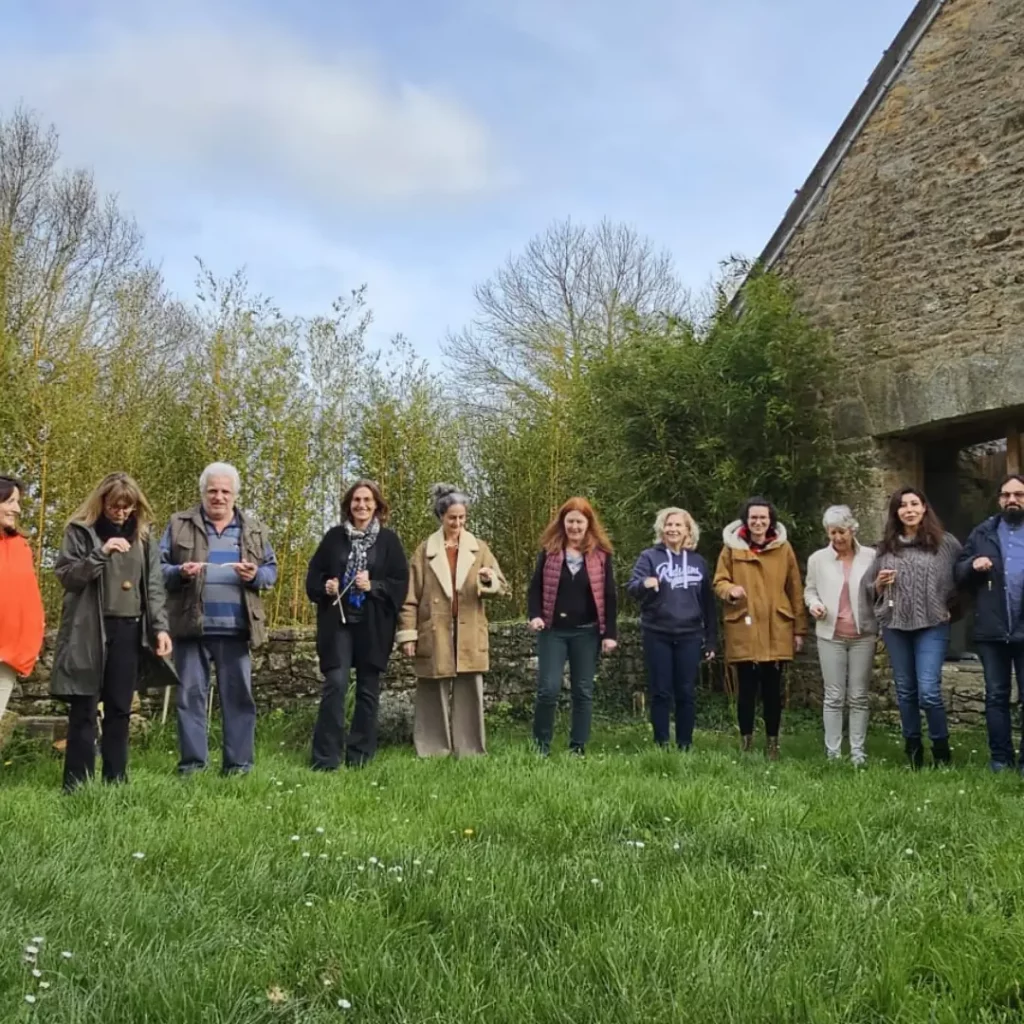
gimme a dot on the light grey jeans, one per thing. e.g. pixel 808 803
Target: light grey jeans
pixel 7 678
pixel 846 667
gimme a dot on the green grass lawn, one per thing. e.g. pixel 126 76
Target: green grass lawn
pixel 632 886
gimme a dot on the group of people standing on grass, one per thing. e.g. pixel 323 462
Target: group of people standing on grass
pixel 139 611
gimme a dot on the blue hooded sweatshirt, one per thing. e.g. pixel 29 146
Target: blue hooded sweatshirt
pixel 684 603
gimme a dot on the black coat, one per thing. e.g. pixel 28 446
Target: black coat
pixel 389 582
pixel 991 612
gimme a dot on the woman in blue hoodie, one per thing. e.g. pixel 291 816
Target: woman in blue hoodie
pixel 678 620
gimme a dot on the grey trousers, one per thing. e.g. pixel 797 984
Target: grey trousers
pixel 450 716
pixel 7 678
pixel 230 656
pixel 846 667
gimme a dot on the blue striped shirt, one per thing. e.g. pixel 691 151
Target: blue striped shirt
pixel 223 601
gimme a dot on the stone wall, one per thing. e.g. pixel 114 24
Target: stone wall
pixel 911 257
pixel 286 676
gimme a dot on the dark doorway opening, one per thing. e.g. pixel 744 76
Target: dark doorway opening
pixel 962 482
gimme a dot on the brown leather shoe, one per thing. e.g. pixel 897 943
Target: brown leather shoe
pixel 746 742
pixel 773 748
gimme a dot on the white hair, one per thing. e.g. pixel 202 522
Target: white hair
pixel 220 469
pixel 689 523
pixel 840 517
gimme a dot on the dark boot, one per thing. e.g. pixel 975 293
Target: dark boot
pixel 773 748
pixel 940 752
pixel 915 753
pixel 746 743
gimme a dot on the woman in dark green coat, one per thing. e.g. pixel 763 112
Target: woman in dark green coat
pixel 113 624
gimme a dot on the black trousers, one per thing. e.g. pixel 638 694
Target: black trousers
pixel 120 677
pixel 753 676
pixel 329 732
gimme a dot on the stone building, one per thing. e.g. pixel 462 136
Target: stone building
pixel 907 242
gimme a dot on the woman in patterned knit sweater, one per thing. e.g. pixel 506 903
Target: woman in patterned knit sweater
pixel 914 588
pixel 571 605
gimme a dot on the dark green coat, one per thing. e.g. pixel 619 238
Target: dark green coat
pixel 78 661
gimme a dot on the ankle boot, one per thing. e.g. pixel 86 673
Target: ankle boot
pixel 746 743
pixel 915 753
pixel 940 752
pixel 773 748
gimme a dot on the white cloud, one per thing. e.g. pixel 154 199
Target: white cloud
pixel 246 103
pixel 303 266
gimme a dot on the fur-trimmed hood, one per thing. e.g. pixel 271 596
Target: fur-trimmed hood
pixel 732 539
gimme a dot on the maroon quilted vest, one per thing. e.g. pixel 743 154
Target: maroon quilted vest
pixel 594 562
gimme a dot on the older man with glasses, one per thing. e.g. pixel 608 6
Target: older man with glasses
pixel 216 561
pixel 992 566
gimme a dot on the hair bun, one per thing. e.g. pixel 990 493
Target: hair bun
pixel 439 491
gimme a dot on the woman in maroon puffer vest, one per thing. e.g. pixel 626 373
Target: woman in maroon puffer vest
pixel 571 606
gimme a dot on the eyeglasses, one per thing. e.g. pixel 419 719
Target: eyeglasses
pixel 115 510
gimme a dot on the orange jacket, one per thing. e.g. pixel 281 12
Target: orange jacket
pixel 21 605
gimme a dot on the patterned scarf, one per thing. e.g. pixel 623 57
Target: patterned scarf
pixel 361 541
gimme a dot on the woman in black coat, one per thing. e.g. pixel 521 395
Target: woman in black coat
pixel 358 579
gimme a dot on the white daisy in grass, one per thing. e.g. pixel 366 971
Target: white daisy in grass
pixel 44 984
pixel 32 950
pixel 38 940
pixel 67 954
pixel 305 853
pixel 417 863
pixel 360 867
pixel 595 881
pixel 344 1004
pixel 319 830
pixel 374 861
pixel 758 913
pixel 29 998
pixel 295 839
pixel 908 852
pixel 139 855
pixel 36 973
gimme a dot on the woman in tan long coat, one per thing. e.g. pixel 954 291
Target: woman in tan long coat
pixel 765 621
pixel 443 628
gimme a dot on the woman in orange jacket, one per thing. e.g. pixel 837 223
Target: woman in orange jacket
pixel 21 606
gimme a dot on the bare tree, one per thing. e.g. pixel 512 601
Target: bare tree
pixel 557 302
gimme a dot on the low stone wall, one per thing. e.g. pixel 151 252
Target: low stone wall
pixel 286 675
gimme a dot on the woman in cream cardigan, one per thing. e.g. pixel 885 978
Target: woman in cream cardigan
pixel 443 628
pixel 837 597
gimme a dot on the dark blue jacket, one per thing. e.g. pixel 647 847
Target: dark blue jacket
pixel 991 609
pixel 684 603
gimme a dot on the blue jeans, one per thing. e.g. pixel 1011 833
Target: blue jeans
pixel 1000 661
pixel 916 656
pixel 673 665
pixel 581 648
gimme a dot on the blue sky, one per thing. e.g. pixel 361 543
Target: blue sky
pixel 414 145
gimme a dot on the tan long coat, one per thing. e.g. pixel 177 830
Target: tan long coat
pixel 426 616
pixel 761 626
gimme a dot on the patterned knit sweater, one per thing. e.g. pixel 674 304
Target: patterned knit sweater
pixel 924 588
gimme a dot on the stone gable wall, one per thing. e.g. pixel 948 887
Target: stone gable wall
pixel 912 255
